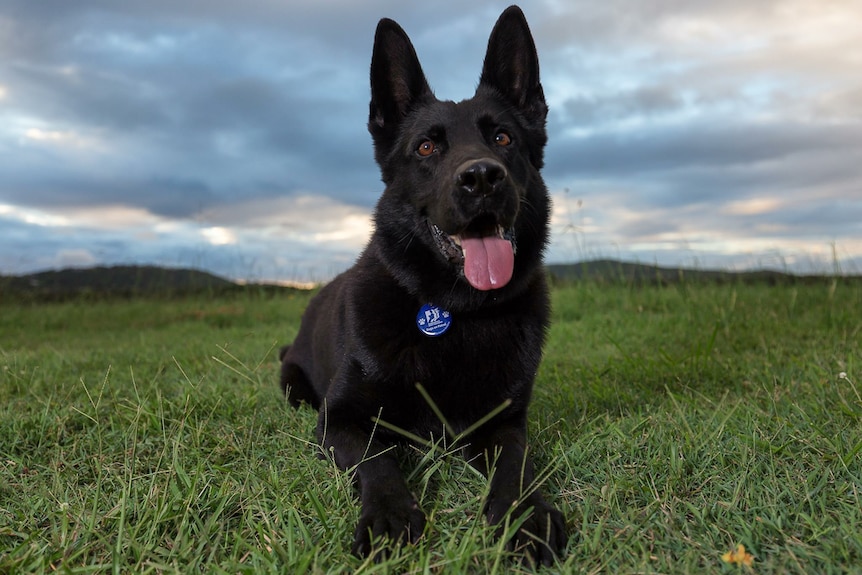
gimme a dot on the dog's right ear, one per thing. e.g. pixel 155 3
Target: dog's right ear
pixel 397 81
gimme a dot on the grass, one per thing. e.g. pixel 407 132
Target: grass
pixel 672 424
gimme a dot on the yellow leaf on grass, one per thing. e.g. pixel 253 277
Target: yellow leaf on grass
pixel 738 556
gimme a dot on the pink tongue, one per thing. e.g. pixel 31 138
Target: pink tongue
pixel 488 261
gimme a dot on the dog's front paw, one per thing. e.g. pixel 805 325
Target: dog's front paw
pixel 542 535
pixel 387 521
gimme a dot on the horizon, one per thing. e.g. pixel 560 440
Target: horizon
pixel 836 271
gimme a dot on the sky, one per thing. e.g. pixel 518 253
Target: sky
pixel 231 136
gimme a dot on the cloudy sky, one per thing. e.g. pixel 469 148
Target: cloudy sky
pixel 230 136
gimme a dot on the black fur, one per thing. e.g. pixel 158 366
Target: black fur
pixel 359 353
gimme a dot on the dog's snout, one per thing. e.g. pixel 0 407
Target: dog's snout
pixel 481 177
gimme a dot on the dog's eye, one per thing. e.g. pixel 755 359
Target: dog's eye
pixel 426 148
pixel 502 139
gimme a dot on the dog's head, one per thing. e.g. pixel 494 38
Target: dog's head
pixel 462 178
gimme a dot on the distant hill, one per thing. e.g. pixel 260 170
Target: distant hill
pixel 613 271
pixel 130 281
pixel 114 280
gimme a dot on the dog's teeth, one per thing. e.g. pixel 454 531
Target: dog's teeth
pixel 456 240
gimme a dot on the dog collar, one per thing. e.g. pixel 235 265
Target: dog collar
pixel 433 320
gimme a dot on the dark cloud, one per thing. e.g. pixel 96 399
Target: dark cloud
pixel 722 144
pixel 165 195
pixel 92 98
pixel 643 102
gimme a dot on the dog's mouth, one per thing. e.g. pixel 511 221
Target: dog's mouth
pixel 485 249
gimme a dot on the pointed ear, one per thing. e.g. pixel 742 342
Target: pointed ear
pixel 397 80
pixel 512 65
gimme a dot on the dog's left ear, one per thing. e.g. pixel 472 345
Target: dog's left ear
pixel 512 65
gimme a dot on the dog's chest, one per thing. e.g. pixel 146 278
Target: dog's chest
pixel 465 372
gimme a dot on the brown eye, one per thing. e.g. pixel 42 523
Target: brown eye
pixel 502 139
pixel 426 148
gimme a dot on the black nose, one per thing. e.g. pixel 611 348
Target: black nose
pixel 481 177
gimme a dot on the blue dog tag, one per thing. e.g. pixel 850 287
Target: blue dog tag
pixel 433 320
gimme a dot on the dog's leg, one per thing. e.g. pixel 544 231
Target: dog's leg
pixel 294 382
pixel 501 453
pixel 389 513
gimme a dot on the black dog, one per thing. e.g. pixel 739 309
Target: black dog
pixel 447 307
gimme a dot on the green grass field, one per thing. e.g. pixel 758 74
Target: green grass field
pixel 671 425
